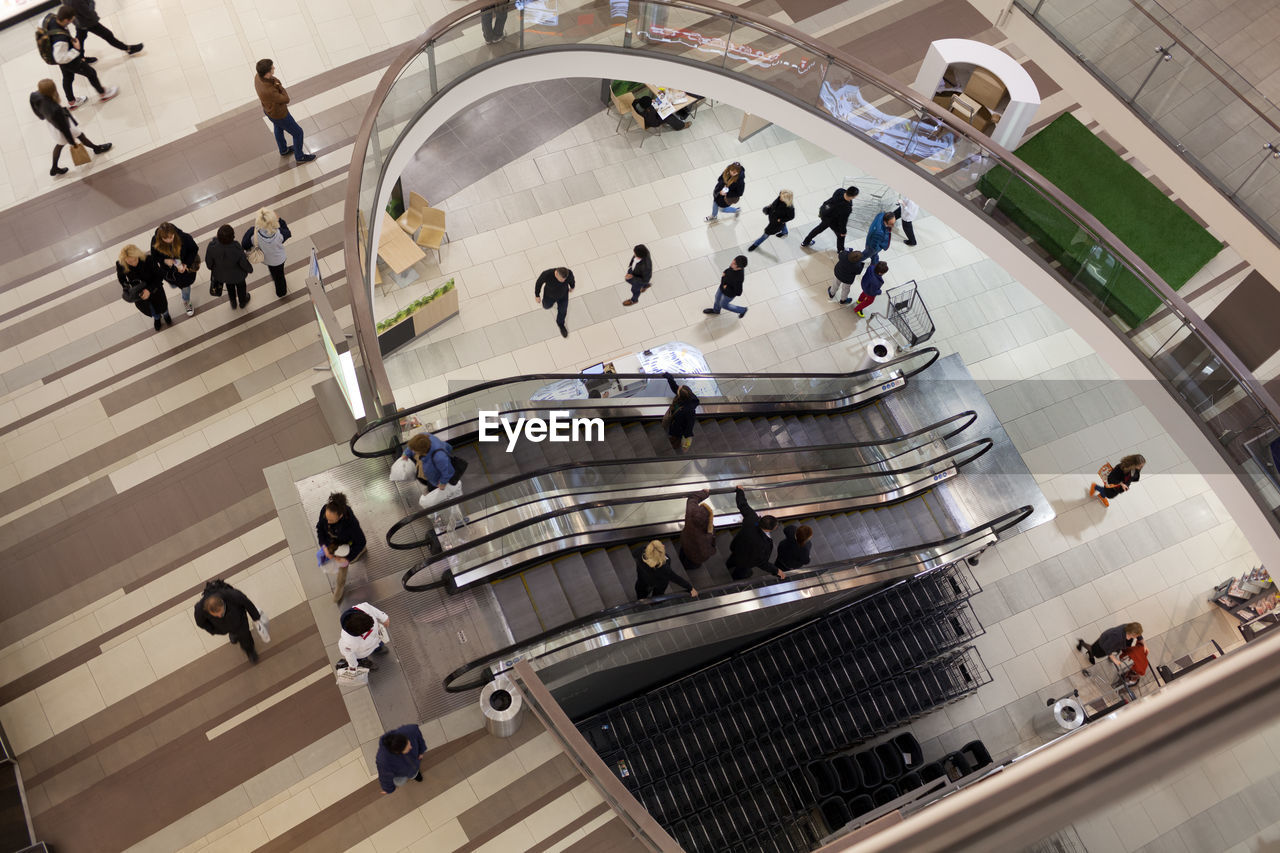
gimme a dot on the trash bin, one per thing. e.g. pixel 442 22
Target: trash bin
pixel 878 352
pixel 1064 715
pixel 502 706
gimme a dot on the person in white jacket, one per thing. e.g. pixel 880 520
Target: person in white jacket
pixel 363 627
pixel 906 213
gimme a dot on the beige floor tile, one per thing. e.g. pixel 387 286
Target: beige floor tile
pixel 400 834
pixel 438 811
pixel 70 698
pixel 25 723
pixel 122 671
pixel 289 814
pixel 173 643
pixel 444 839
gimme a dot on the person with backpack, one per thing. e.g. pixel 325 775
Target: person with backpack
pixel 225 610
pixel 57 47
pixel 88 21
pixel 142 284
pixel 62 127
pixel 437 467
pixel 834 214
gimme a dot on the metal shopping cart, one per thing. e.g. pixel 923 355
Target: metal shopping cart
pixel 906 313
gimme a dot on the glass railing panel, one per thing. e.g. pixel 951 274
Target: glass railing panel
pixel 693 35
pixel 789 69
pixel 550 23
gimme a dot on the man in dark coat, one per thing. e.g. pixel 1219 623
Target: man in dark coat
pixel 752 546
pixel 88 21
pixel 399 758
pixel 730 288
pixel 552 288
pixel 225 610
pixel 834 214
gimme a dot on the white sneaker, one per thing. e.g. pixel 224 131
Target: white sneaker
pixel 191 309
pixel 78 102
pixel 111 92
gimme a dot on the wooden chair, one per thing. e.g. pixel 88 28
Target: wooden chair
pixel 433 229
pixel 622 103
pixel 411 220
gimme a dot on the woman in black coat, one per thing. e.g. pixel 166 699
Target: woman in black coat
pixel 62 127
pixel 793 550
pixel 653 572
pixel 729 188
pixel 780 211
pixel 847 269
pixel 142 284
pixel 338 528
pixel 1126 472
pixel 639 271
pixel 229 265
pixel 178 256
pixel 683 415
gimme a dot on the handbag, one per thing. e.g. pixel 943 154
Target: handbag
pixel 348 677
pixel 255 255
pixel 215 287
pixel 669 416
pixel 459 468
pixel 79 154
pixel 263 627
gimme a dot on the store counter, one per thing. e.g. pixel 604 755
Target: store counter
pixel 602 380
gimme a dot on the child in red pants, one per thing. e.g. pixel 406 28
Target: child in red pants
pixel 872 284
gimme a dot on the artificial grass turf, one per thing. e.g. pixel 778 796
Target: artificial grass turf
pixel 1069 156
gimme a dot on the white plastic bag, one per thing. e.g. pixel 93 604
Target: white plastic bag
pixel 431 497
pixel 403 470
pixel 263 627
pixel 347 677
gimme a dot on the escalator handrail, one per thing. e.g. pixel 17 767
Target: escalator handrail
pixel 996 526
pixel 933 353
pixel 970 415
pixel 981 446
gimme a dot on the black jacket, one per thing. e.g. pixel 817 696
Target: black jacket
pixel 641 269
pixel 57 32
pixel 236 618
pixel 86 12
pixel 47 109
pixel 645 109
pixel 227 262
pixel 751 547
pixel 145 276
pixel 847 271
pixel 1113 640
pixel 736 189
pixel 555 288
pixel 779 213
pixel 188 253
pixel 1118 476
pixel 685 415
pixel 791 554
pixel 731 282
pixel 657 577
pixel 346 532
pixel 837 211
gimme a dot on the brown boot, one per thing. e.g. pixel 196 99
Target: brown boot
pixel 341 586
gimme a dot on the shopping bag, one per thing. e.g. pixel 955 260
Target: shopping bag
pixel 262 627
pixel 79 155
pixel 403 470
pixel 347 677
pixel 383 634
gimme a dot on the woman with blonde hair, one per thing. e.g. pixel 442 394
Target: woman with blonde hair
pixel 142 284
pixel 730 186
pixel 178 258
pixel 267 234
pixel 780 211
pixel 64 129
pixel 1126 472
pixel 653 571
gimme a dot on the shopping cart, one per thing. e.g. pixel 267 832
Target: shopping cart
pixel 907 313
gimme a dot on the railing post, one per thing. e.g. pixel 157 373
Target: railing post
pixel 728 40
pixel 1271 151
pixel 431 68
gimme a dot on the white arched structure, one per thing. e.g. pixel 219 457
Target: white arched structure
pixel 583 61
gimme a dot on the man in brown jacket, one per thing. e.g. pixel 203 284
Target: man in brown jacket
pixel 275 104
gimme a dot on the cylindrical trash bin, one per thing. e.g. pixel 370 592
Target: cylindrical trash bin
pixel 502 706
pixel 1065 715
pixel 878 351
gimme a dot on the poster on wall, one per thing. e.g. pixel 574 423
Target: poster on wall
pixel 12 11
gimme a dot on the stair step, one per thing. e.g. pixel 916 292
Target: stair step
pixel 578 585
pixel 548 597
pixel 517 609
pixel 605 580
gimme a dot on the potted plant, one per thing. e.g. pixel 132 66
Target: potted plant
pixel 418 317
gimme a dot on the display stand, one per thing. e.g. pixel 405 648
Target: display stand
pixel 1247 597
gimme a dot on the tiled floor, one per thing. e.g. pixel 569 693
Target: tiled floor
pixel 132 464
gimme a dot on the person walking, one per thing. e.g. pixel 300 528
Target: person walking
pixel 340 537
pixel 62 127
pixel 834 214
pixel 437 467
pixel 872 284
pixel 730 187
pixel 179 259
pixel 698 538
pixel 57 47
pixel 794 549
pixel 681 415
pixel 879 236
pixel 780 211
pixel 639 271
pixel 1122 475
pixel 654 572
pixel 88 21
pixel 143 284
pixel 906 213
pixel 752 545
pixel 269 233
pixel 228 265
pixel 848 267
pixel 552 288
pixel 493 22
pixel 399 758
pixel 1111 642
pixel 730 288
pixel 225 610
pixel 364 628
pixel 275 106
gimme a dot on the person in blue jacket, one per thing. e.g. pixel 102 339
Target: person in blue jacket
pixel 872 284
pixel 879 236
pixel 399 759
pixel 437 466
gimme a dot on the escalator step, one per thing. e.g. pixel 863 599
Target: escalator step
pixel 517 609
pixel 548 597
pixel 605 580
pixel 578 585
pixel 624 569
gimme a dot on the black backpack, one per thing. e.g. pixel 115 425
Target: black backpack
pixel 215 585
pixel 45 37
